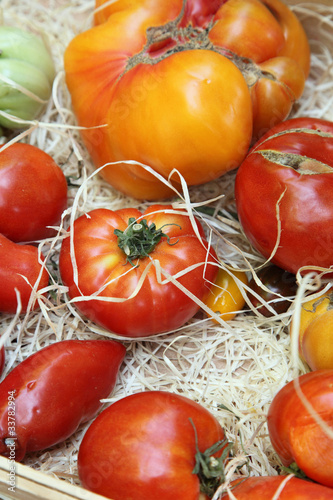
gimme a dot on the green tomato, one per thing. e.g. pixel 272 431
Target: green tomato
pixel 26 75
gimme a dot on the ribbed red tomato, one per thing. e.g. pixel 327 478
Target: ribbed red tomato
pixel 182 85
pixel 135 273
pixel 295 431
pixel 145 447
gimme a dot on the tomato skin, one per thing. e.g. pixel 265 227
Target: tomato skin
pixel 317 342
pixel 19 261
pixel 157 307
pixel 265 487
pixel 295 435
pixel 56 389
pixel 143 447
pixel 149 85
pixel 300 200
pixel 224 297
pixel 33 193
pixel 277 283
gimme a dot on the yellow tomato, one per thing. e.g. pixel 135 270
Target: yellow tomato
pixel 311 310
pixel 225 297
pixel 317 342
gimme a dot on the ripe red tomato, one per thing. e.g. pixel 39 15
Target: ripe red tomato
pixel 144 447
pixel 286 488
pixel 134 274
pixel 33 193
pixel 47 396
pixel 295 434
pixel 284 194
pixel 189 82
pixel 21 268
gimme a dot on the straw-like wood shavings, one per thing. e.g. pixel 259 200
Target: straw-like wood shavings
pixel 232 368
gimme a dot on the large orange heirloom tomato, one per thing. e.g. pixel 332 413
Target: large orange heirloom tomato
pixel 137 274
pixel 182 85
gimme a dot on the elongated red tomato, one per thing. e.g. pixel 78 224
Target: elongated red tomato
pixel 146 268
pixel 284 194
pixel 190 82
pixel 294 432
pixel 33 193
pixel 279 487
pixel 44 399
pixel 21 271
pixel 144 447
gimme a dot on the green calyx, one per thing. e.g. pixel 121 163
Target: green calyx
pixel 210 469
pixel 139 240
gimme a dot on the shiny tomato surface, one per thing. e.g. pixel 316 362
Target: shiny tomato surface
pixel 33 193
pixel 21 272
pixel 141 295
pixel 284 194
pixel 279 487
pixel 295 433
pixel 190 83
pixel 143 447
pixel 47 396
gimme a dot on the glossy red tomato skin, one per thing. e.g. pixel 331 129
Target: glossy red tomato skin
pixel 157 307
pixel 268 191
pixel 33 193
pixel 55 390
pixel 295 435
pixel 265 487
pixel 150 435
pixel 19 263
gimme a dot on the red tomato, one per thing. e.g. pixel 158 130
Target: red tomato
pixel 295 435
pixel 103 268
pixel 289 488
pixel 144 447
pixel 33 193
pixel 47 396
pixel 21 270
pixel 287 179
pixel 188 82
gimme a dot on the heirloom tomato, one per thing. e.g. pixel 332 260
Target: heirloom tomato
pixel 149 445
pixel 225 297
pixel 22 271
pixel 189 82
pixel 276 290
pixel 45 398
pixel 294 429
pixel 33 193
pixel 284 194
pixel 27 72
pixel 317 342
pixel 137 274
pixel 279 488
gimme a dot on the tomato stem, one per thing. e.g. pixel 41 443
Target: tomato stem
pixel 139 240
pixel 209 468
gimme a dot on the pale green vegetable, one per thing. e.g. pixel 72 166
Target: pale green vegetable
pixel 26 75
